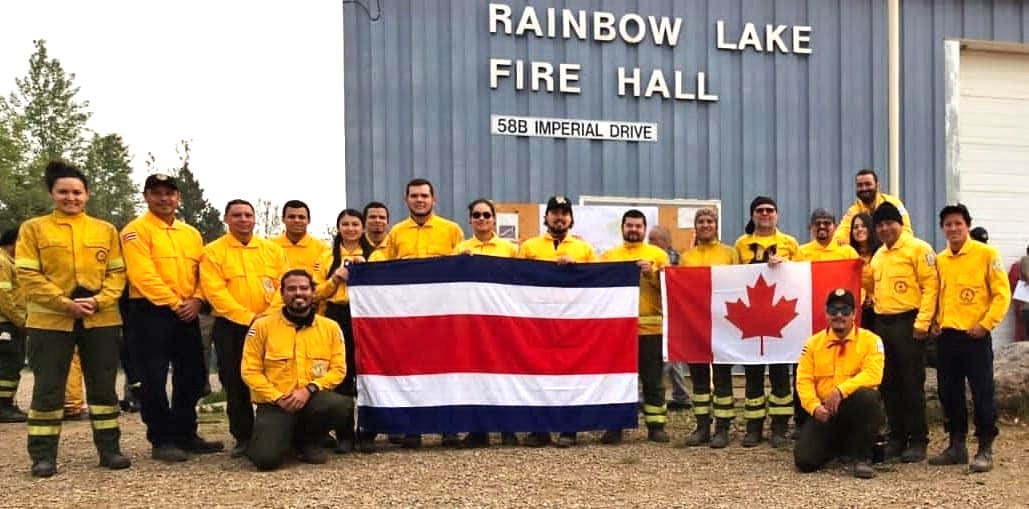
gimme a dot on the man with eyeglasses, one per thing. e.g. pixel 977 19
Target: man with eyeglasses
pixel 839 370
pixel 905 284
pixel 762 242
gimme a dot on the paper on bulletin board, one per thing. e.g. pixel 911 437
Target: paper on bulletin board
pixel 1021 291
pixel 507 226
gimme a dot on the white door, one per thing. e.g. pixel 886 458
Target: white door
pixel 993 161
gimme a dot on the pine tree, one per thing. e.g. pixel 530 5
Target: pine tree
pixel 113 196
pixel 194 209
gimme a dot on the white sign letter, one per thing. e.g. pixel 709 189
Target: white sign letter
pixel 665 30
pixel 802 40
pixel 624 80
pixel 604 26
pixel 641 28
pixel 498 67
pixel 529 21
pixel 499 13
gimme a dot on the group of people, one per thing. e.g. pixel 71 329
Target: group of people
pixel 285 344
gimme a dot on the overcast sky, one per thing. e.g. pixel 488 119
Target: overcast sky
pixel 257 86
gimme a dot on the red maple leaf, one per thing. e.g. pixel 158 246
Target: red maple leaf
pixel 761 318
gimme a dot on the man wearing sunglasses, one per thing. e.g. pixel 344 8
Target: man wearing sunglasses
pixel 839 370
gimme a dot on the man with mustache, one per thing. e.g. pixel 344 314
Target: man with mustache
pixel 869 197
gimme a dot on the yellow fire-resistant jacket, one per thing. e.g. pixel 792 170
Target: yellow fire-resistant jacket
pixel 303 254
pixel 12 299
pixel 57 252
pixel 326 289
pixel 973 287
pixel 842 235
pixel 408 239
pixel 815 252
pixel 904 278
pixel 241 281
pixel 707 254
pixel 495 246
pixel 278 358
pixel 751 246
pixel 542 248
pixel 826 363
pixel 162 261
pixel 650 285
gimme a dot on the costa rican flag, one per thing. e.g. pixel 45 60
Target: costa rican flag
pixel 478 343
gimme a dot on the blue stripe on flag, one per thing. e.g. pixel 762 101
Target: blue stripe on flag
pixel 470 418
pixel 490 269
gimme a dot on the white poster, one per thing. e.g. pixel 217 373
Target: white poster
pixel 601 225
pixel 1021 292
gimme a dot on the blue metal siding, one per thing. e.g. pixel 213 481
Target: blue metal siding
pixel 925 25
pixel 795 127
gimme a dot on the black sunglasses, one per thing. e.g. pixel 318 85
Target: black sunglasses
pixel 483 215
pixel 839 310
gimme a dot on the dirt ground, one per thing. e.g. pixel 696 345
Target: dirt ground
pixel 634 474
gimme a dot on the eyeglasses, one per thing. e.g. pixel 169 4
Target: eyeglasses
pixel 840 310
pixel 482 215
pixel 765 210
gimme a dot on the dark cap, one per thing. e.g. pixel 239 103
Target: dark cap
pixel 887 212
pixel 979 233
pixel 160 179
pixel 762 200
pixel 559 202
pixel 841 295
pixel 821 213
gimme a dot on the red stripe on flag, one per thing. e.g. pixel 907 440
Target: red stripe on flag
pixel 424 345
pixel 689 314
pixel 828 276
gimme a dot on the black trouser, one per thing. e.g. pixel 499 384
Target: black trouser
pixel 903 384
pixel 780 401
pixel 276 431
pixel 228 338
pixel 129 358
pixel 340 313
pixel 159 338
pixel 704 405
pixel 651 371
pixel 850 432
pixel 963 357
pixel 50 357
pixel 12 359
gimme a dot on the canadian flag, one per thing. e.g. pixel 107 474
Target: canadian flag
pixel 749 314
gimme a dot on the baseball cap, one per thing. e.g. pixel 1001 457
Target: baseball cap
pixel 840 295
pixel 160 179
pixel 559 202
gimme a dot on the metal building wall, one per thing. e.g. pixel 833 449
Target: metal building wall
pixel 925 25
pixel 795 127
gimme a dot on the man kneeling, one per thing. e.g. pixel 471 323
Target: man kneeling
pixel 292 360
pixel 836 381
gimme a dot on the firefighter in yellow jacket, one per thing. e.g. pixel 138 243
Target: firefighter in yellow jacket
pixel 869 197
pixel 974 296
pixel 71 268
pixel 708 251
pixel 292 361
pixel 239 275
pixel 838 372
pixel 762 242
pixel 560 246
pixel 651 260
pixel 302 250
pixel 905 285
pixel 12 330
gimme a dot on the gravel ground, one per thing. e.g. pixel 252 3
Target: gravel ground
pixel 634 474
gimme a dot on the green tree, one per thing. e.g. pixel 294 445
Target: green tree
pixel 194 209
pixel 113 196
pixel 54 122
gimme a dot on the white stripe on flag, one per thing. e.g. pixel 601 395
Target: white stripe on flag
pixel 491 299
pixel 492 389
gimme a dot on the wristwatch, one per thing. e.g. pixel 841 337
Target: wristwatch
pixel 312 388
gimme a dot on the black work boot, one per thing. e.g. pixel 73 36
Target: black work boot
pixel 720 439
pixel 754 433
pixel 365 442
pixel 894 448
pixel 915 452
pixel 474 440
pixel 956 452
pixel 611 437
pixel 656 432
pixel 44 468
pixel 983 461
pixel 114 460
pixel 780 423
pixel 9 412
pixel 702 434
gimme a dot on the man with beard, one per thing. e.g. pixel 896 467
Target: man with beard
pixel 974 297
pixel 422 235
pixel 822 248
pixel 866 183
pixel 162 259
pixel 291 362
pixel 239 274
pixel 376 228
pixel 905 284
pixel 836 378
pixel 651 260
pixel 302 250
pixel 556 245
